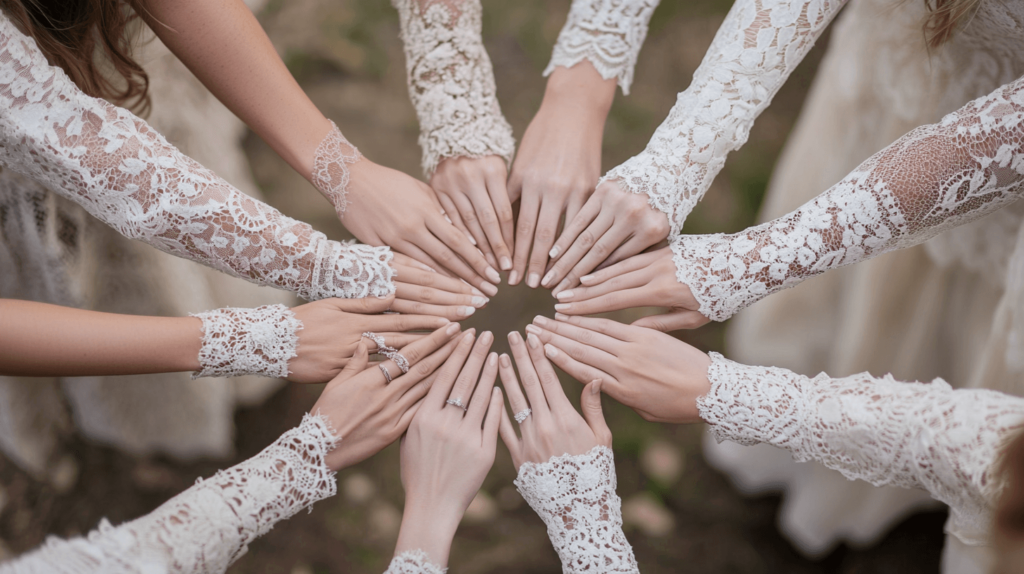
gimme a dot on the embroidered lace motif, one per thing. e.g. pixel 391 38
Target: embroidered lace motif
pixel 932 179
pixel 126 174
pixel 575 497
pixel 756 48
pixel 330 168
pixel 609 33
pixel 209 526
pixel 913 435
pixel 413 562
pixel 256 341
pixel 451 82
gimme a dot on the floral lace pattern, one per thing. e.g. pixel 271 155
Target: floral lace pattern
pixel 126 174
pixel 451 82
pixel 913 435
pixel 934 178
pixel 330 168
pixel 413 562
pixel 758 45
pixel 256 341
pixel 609 33
pixel 575 497
pixel 209 526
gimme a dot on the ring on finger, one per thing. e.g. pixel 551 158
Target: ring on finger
pixel 521 415
pixel 382 348
pixel 400 361
pixel 458 403
pixel 383 369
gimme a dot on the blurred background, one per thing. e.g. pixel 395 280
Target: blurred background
pixel 680 514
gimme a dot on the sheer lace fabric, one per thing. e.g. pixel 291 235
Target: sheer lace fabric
pixel 575 497
pixel 126 174
pixel 609 33
pixel 913 435
pixel 413 562
pixel 209 526
pixel 758 45
pixel 257 341
pixel 330 168
pixel 451 82
pixel 932 179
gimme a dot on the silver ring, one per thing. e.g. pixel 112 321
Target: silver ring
pixel 400 361
pixel 521 415
pixel 389 352
pixel 382 348
pixel 383 369
pixel 457 402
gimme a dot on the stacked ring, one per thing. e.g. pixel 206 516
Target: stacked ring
pixel 390 352
pixel 383 369
pixel 521 415
pixel 457 402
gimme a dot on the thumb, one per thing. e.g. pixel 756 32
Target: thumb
pixel 366 305
pixel 357 363
pixel 594 414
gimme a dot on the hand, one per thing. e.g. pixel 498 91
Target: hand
pixel 646 280
pixel 420 290
pixel 658 376
pixel 558 164
pixel 554 428
pixel 387 207
pixel 368 413
pixel 613 225
pixel 447 451
pixel 473 193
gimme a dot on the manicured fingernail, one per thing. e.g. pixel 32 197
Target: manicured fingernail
pixel 595 387
pixel 561 317
pixel 468 336
pixel 471 240
pixel 506 264
pixel 486 337
pixel 548 278
pixel 563 295
pixel 550 351
pixel 452 329
pixel 514 338
pixel 480 301
pixel 533 280
pixel 532 341
pixel 493 275
pixel 586 279
pixel 563 306
pixel 505 361
pixel 561 287
pixel 554 252
pixel 533 329
pixel 476 291
pixel 513 277
pixel 492 359
pixel 542 321
pixel 489 288
pixel 466 311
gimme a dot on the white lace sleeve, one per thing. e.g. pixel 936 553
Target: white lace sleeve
pixel 126 174
pixel 913 435
pixel 413 562
pixel 609 33
pixel 934 178
pixel 451 81
pixel 575 497
pixel 758 45
pixel 209 526
pixel 257 341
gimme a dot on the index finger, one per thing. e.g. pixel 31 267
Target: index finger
pixel 415 352
pixel 548 378
pixel 445 379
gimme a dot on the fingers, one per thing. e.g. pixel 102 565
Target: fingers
pixel 404 323
pixel 470 254
pixel 439 249
pixel 419 255
pixel 577 370
pixel 491 227
pixel 506 220
pixel 419 293
pixel 613 329
pixel 631 247
pixel 415 353
pixel 516 399
pixel 579 248
pixel 442 385
pixel 367 305
pixel 508 436
pixel 618 283
pixel 579 334
pixel 584 353
pixel 356 364
pixel 590 404
pixel 527 376
pixel 608 243
pixel 401 259
pixel 548 378
pixel 467 379
pixel 480 402
pixel 543 239
pixel 471 219
pixel 634 263
pixel 429 365
pixel 430 278
pixel 395 340
pixel 575 226
pixel 528 209
pixel 614 301
pixel 449 312
pixel 449 207
pixel 495 413
pixel 673 321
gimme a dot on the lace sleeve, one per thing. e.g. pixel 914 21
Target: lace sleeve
pixel 209 526
pixel 126 174
pixel 913 435
pixel 451 82
pixel 257 341
pixel 609 33
pixel 414 562
pixel 934 178
pixel 756 48
pixel 575 497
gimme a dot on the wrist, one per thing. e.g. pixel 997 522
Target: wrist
pixel 257 341
pixel 580 89
pixel 428 528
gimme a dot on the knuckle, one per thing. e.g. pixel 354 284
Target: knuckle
pixel 488 217
pixel 504 214
pixel 586 239
pixel 545 235
pixel 579 353
pixel 525 227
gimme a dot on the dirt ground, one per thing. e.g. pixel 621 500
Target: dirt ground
pixel 681 514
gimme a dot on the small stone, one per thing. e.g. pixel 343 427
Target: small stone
pixel 662 461
pixel 645 512
pixel 482 509
pixel 358 488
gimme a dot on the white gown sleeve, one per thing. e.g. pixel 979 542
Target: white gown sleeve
pixel 451 82
pixel 608 33
pixel 889 433
pixel 209 526
pixel 575 497
pixel 413 562
pixel 257 341
pixel 756 48
pixel 126 174
pixel 934 178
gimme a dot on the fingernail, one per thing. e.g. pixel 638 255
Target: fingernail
pixel 542 321
pixel 562 296
pixel 471 240
pixel 550 351
pixel 586 279
pixel 468 336
pixel 486 337
pixel 563 306
pixel 533 280
pixel 506 264
pixel 489 288
pixel 533 329
pixel 561 287
pixel 452 329
pixel 595 387
pixel 554 252
pixel 533 341
pixel 480 301
pixel 513 277
pixel 493 275
pixel 514 338
pixel 466 311
pixel 547 278
pixel 505 361
pixel 561 317
pixel 492 359
pixel 476 291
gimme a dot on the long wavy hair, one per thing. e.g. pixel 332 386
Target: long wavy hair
pixel 92 41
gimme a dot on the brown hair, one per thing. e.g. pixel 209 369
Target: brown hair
pixel 946 17
pixel 70 34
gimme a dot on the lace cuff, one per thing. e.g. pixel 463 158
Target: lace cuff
pixel 256 341
pixel 609 33
pixel 413 562
pixel 451 82
pixel 575 497
pixel 330 168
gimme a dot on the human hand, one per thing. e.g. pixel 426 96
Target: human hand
pixel 553 427
pixel 558 164
pixel 420 290
pixel 366 412
pixel 657 375
pixel 614 224
pixel 473 193
pixel 645 280
pixel 387 207
pixel 448 450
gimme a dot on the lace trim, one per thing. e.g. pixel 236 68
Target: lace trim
pixel 758 45
pixel 451 82
pixel 413 562
pixel 575 497
pixel 609 33
pixel 256 341
pixel 330 168
pixel 888 433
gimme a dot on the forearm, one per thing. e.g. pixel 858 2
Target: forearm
pixel 428 531
pixel 37 339
pixel 581 93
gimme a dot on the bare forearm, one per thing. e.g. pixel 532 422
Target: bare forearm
pixel 582 91
pixel 37 339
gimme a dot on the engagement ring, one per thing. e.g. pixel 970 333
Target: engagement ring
pixel 457 402
pixel 521 415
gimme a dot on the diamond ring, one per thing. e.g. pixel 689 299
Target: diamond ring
pixel 521 415
pixel 457 402
pixel 383 369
